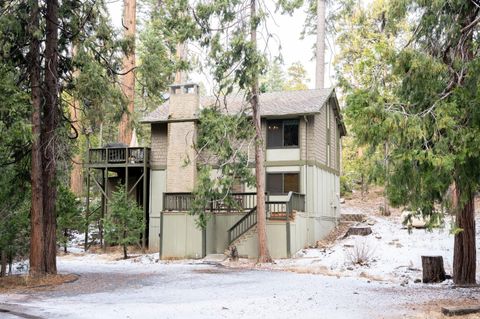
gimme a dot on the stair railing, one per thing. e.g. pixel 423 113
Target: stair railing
pixel 243 225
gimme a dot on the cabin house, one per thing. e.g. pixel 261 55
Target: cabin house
pixel 302 133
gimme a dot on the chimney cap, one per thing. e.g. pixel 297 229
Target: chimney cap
pixel 184 88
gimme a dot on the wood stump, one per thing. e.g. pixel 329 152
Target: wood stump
pixel 233 253
pixel 433 270
pixel 359 231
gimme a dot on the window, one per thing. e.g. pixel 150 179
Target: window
pixel 282 183
pixel 282 133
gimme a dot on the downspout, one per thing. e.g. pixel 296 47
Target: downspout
pixel 306 172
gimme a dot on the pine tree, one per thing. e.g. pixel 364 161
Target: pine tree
pixel 124 225
pixel 69 217
pixel 297 77
pixel 410 72
pixel 36 40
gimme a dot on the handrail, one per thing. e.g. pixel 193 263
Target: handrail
pixel 119 155
pixel 294 202
pixel 242 225
pixel 242 202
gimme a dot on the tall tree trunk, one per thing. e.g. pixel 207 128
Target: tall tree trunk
pixel 464 251
pixel 263 253
pixel 320 46
pixel 76 175
pixel 51 118
pixel 180 53
pixel 128 81
pixel 37 252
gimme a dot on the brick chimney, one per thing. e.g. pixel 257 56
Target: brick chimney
pixel 181 163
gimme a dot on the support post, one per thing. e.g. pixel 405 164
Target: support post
pixel 126 172
pixel 160 235
pixel 87 210
pixel 287 224
pixel 144 194
pixel 105 212
pixel 204 241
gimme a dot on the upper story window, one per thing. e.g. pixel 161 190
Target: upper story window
pixel 282 133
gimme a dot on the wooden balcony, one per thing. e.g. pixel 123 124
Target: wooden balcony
pixel 182 202
pixel 118 157
pixel 242 202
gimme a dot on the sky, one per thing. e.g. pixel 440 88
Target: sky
pixel 287 30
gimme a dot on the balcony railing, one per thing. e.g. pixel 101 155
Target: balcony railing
pixel 119 155
pixel 236 202
pixel 182 202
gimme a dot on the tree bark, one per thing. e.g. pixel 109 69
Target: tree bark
pixel 464 251
pixel 51 118
pixel 433 270
pixel 37 252
pixel 263 253
pixel 128 81
pixel 320 46
pixel 76 175
pixel 3 263
pixel 65 233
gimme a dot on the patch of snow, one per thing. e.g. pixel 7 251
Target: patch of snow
pixel 395 254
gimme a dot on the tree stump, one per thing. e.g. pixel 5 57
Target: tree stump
pixel 359 231
pixel 233 253
pixel 433 270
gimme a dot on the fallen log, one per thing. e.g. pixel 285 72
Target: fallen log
pixel 460 311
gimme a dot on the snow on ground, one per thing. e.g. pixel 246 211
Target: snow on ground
pixel 393 253
pixel 318 283
pixel 143 288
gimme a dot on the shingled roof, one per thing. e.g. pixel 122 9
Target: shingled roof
pixel 272 104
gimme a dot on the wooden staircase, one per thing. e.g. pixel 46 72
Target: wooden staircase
pixel 275 210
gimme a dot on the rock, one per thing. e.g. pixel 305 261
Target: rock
pixel 350 268
pixel 371 222
pixel 412 220
pixel 342 200
pixel 418 280
pixel 378 237
pixel 404 283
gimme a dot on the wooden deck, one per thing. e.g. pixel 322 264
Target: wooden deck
pixel 118 157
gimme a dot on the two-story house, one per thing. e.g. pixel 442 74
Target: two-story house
pixel 302 133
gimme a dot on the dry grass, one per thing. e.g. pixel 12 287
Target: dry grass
pixel 24 282
pixel 360 254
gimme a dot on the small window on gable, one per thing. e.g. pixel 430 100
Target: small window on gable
pixel 282 133
pixel 282 183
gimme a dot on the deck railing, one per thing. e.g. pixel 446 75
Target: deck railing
pixel 243 225
pixel 236 202
pixel 119 155
pixel 279 210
